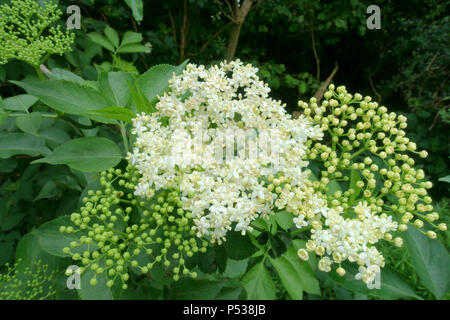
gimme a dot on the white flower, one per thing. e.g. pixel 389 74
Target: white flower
pixel 203 108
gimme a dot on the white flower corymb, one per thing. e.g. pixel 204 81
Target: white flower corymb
pixel 222 180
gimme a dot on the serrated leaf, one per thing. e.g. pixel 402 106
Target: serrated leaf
pixel 112 36
pixel 88 154
pixel 134 48
pixel 155 81
pixel 137 8
pixel 258 283
pixel 235 268
pixel 131 37
pixel 101 40
pixel 68 97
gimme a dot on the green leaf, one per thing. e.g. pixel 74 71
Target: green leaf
pixel 11 220
pixel 2 73
pixel 112 36
pixel 29 123
pixel 48 190
pixel 68 97
pixel 28 251
pixel 52 241
pixel 204 289
pixel 229 294
pixel 114 85
pixel 3 116
pixel 8 165
pixel 392 286
pixel 137 8
pixel 21 144
pixel 101 40
pixel 238 247
pixel 340 23
pixel 62 74
pixel 305 274
pixel 116 113
pixel 54 136
pixel 431 261
pixel 155 81
pixel 258 284
pixel 445 179
pixel 284 219
pixel 354 178
pixel 131 37
pixel 21 102
pixel 88 154
pixel 235 268
pixel 289 277
pixel 98 292
pixel 141 103
pixel 278 246
pixel 220 258
pixel 6 252
pixel 332 187
pixel 134 48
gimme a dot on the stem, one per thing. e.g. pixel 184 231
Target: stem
pixel 357 153
pixel 43 115
pixel 39 72
pixel 124 137
pixel 257 228
pixel 296 232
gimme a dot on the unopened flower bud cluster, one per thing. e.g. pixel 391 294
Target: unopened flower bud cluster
pixel 369 154
pixel 118 232
pixel 27 32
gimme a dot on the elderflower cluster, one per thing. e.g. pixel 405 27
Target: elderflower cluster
pixel 368 180
pixel 180 144
pixel 117 232
pixel 351 239
pixel 27 34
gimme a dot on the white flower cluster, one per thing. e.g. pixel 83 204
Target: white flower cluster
pixel 216 101
pixel 351 239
